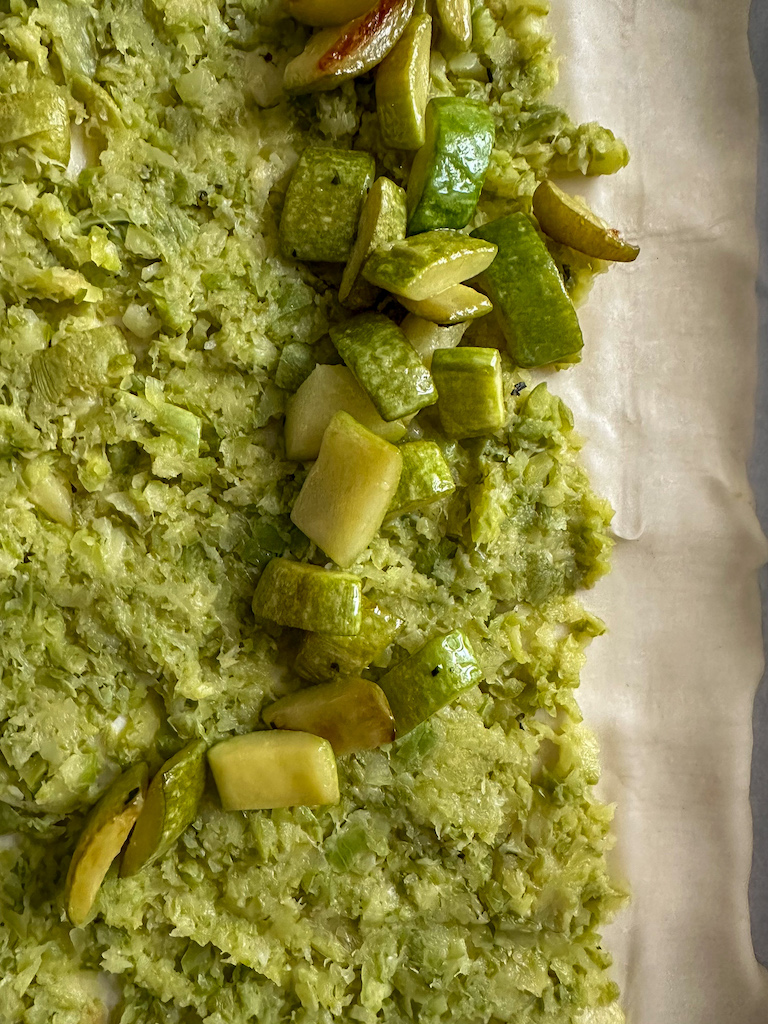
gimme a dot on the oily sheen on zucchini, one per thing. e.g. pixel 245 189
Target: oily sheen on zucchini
pixel 154 326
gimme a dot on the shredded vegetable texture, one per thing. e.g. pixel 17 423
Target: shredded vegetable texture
pixel 150 334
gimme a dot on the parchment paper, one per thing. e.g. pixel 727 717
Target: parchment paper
pixel 759 476
pixel 666 396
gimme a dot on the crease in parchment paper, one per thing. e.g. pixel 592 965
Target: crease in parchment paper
pixel 666 396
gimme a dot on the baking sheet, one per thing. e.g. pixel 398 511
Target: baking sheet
pixel 666 395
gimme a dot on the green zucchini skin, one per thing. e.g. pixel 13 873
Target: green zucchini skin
pixel 449 170
pixel 402 87
pixel 423 266
pixel 533 308
pixel 386 365
pixel 309 597
pixel 469 383
pixel 430 679
pixel 323 204
pixel 426 477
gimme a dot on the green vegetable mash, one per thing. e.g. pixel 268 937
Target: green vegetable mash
pixel 150 335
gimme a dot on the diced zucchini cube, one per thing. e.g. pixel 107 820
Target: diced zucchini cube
pixel 385 364
pixel 449 170
pixel 309 597
pixel 427 264
pixel 530 302
pixel 402 86
pixel 430 679
pixel 322 656
pixel 471 390
pixel 274 769
pixel 426 477
pixel 347 491
pixel 323 203
pixel 352 714
pixel 328 390
pixel 453 306
pixel 382 220
pixel 427 337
